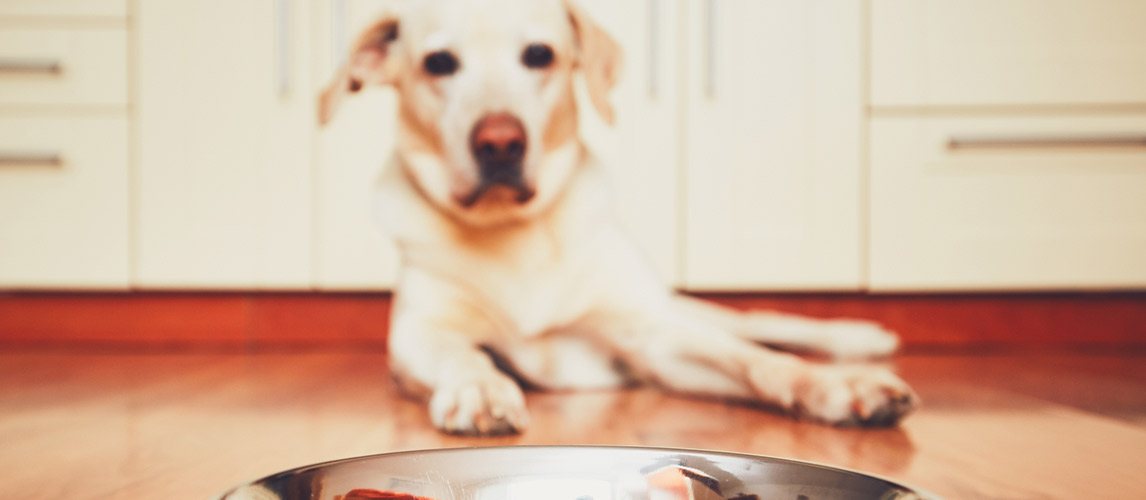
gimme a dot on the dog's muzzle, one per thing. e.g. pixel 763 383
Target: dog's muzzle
pixel 498 143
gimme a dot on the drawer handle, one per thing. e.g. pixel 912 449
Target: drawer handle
pixel 282 43
pixel 21 65
pixel 1098 141
pixel 710 22
pixel 41 158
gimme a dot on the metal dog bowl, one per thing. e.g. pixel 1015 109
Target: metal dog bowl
pixel 571 473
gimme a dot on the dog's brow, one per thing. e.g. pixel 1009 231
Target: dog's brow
pixel 536 33
pixel 438 40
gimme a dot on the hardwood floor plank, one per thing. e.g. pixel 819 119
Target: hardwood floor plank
pixel 80 427
pixel 1109 385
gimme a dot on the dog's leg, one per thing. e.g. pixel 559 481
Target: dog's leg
pixel 435 347
pixel 695 357
pixel 836 338
pixel 467 393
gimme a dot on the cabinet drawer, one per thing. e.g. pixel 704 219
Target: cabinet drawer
pixel 64 8
pixel 1017 52
pixel 1008 203
pixel 63 202
pixel 63 66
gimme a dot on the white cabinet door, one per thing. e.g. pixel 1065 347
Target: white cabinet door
pixel 641 151
pixel 351 253
pixel 996 203
pixel 63 201
pixel 63 68
pixel 65 9
pixel 225 133
pixel 774 124
pixel 1008 53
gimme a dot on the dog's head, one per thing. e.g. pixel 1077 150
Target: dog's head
pixel 487 119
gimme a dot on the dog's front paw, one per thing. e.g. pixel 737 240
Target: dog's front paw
pixel 488 407
pixel 864 396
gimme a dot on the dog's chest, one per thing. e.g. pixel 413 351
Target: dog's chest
pixel 528 283
pixel 537 285
pixel 532 305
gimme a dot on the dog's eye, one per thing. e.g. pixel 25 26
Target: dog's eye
pixel 440 63
pixel 537 55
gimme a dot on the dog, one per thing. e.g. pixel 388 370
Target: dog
pixel 514 270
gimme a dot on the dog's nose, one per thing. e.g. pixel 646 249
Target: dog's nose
pixel 498 138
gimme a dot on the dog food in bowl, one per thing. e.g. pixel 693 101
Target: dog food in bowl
pixel 570 473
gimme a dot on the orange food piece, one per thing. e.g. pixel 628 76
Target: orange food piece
pixel 369 494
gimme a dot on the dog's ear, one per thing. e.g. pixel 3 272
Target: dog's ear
pixel 369 63
pixel 598 57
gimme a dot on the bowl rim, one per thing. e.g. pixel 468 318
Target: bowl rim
pixel 921 493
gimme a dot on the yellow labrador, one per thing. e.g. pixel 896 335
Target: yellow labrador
pixel 510 251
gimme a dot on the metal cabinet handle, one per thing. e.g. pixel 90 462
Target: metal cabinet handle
pixel 30 65
pixel 654 46
pixel 1079 141
pixel 710 48
pixel 282 55
pixel 43 158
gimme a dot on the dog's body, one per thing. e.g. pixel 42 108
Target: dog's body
pixel 509 245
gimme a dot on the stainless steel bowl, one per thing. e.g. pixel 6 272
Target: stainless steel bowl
pixel 571 473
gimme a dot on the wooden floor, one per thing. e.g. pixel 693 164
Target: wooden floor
pixel 163 320
pixel 83 426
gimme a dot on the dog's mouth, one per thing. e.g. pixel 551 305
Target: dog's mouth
pixel 501 182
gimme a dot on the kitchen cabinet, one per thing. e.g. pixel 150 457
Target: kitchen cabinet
pixel 884 145
pixel 773 137
pixel 64 68
pixel 1007 203
pixel 1008 147
pixel 1017 53
pixel 64 136
pixel 224 145
pixel 63 201
pixel 66 10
